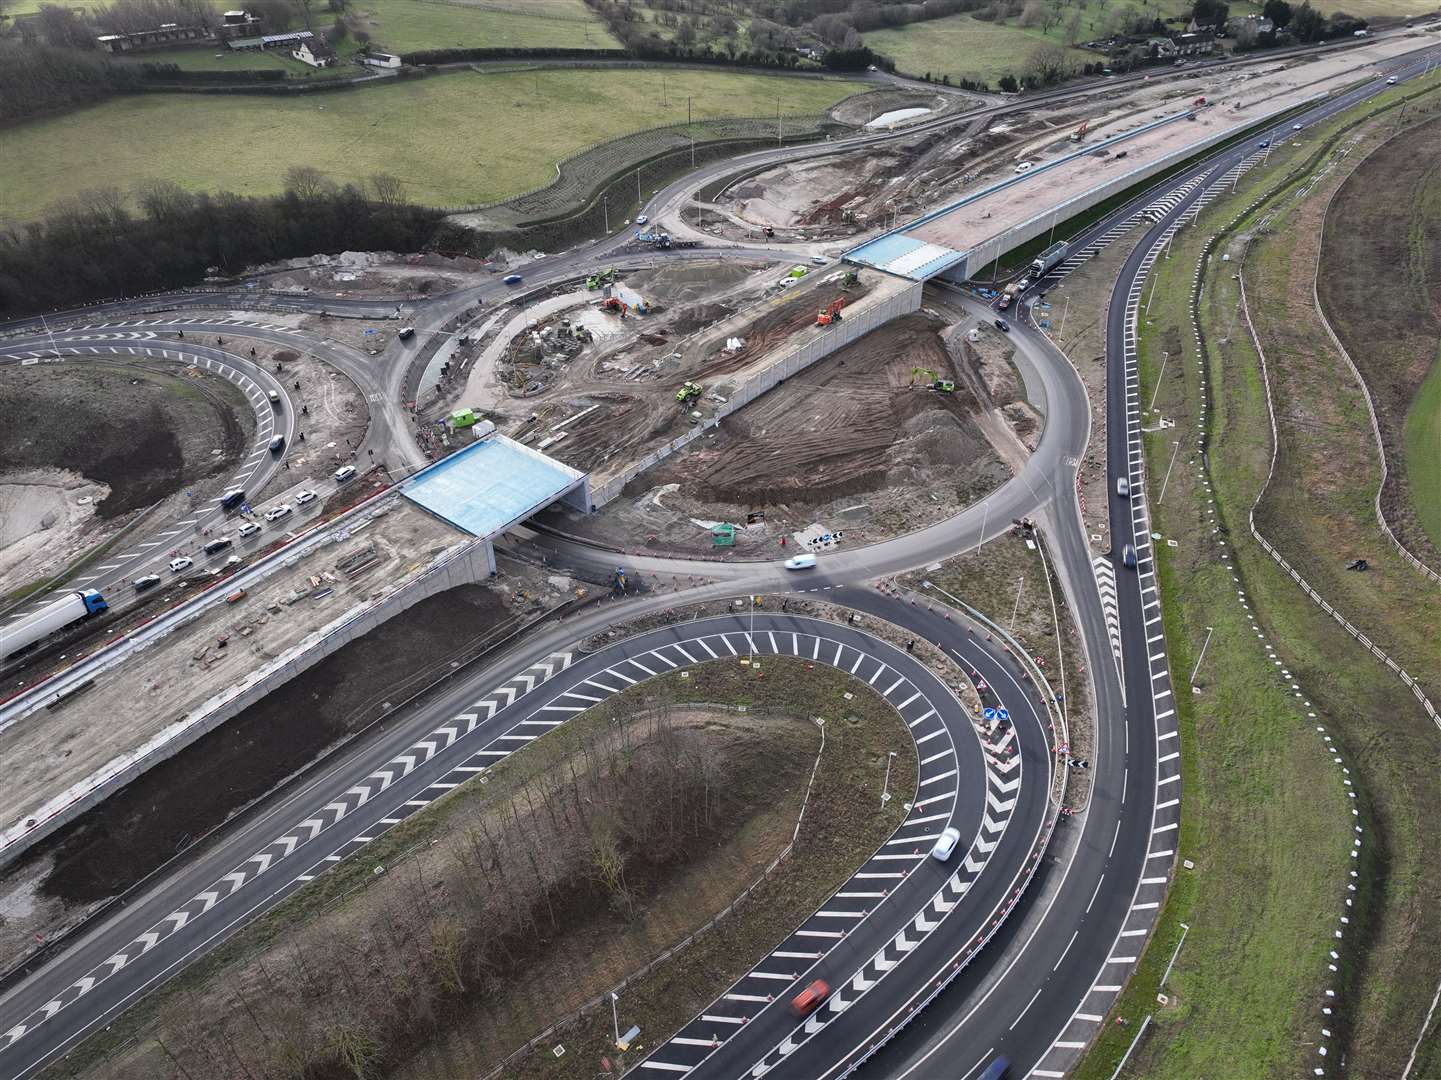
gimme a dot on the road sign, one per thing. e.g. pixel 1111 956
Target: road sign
pixel 1002 714
pixel 989 714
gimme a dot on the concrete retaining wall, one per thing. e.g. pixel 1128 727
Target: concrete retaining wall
pixel 850 328
pixel 471 563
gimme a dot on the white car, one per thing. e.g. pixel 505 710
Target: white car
pixel 344 473
pixel 182 563
pixel 946 844
pixel 305 496
pixel 800 562
pixel 641 219
pixel 819 260
pixel 1025 166
pixel 1123 487
pixel 1391 81
pixel 275 513
pixel 247 530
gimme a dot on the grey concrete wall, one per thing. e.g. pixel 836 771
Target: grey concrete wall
pixel 786 364
pixel 472 563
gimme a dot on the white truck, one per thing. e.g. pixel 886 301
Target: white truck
pixel 56 615
pixel 1049 258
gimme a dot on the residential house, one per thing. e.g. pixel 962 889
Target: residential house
pixel 317 52
pixel 270 41
pixel 234 24
pixel 379 59
pixel 1195 43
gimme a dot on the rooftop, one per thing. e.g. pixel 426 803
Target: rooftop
pixel 491 485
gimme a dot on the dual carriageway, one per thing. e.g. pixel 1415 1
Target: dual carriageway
pixel 1069 901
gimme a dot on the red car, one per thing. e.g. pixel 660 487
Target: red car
pixel 810 999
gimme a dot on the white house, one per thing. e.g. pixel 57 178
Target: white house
pixel 316 53
pixel 379 59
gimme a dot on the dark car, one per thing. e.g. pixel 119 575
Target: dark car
pixel 232 498
pixel 277 444
pixel 218 544
pixel 149 581
pixel 1003 326
pixel 511 279
pixel 997 1070
pixel 1128 555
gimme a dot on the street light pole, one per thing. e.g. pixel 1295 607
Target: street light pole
pixel 1209 632
pixel 886 789
pixel 1165 357
pixel 615 1017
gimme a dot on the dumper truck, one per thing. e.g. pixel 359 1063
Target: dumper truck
pixel 20 634
pixel 689 392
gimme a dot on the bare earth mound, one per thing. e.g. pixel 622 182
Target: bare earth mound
pixel 1380 286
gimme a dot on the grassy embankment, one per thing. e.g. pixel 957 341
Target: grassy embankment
pixel 455 139
pixel 1266 819
pixel 764 757
pixel 1423 453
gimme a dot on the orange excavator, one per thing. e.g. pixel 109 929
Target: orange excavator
pixel 831 312
pixel 615 306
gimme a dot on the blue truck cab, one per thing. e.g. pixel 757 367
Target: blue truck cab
pixel 94 601
pixel 997 1070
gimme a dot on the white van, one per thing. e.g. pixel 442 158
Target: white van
pixel 800 562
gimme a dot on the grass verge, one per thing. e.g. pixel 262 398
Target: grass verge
pixel 500 133
pixel 1423 453
pixel 1266 819
pixel 840 829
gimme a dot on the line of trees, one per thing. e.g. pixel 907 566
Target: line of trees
pixel 103 244
pixel 584 835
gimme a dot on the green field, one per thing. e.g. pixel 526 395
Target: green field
pixel 1423 453
pixel 964 48
pixel 456 139
pixel 410 25
pixel 225 59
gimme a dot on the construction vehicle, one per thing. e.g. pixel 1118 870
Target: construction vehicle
pixel 688 392
pixel 923 374
pixel 851 280
pixel 614 305
pixel 605 277
pixel 943 386
pixel 1080 132
pixel 831 312
pixel 659 239
pixel 1199 103
pixel 463 418
pixel 1049 258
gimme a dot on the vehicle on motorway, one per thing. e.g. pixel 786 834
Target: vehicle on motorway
pixel 1025 166
pixel 1128 555
pixel 1049 258
pixel 303 497
pixel 277 444
pixel 275 398
pixel 818 260
pixel 800 562
pixel 344 473
pixel 1003 326
pixel 1391 81
pixel 232 498
pixel 405 333
pixel 1295 127
pixel 511 279
pixel 275 513
pixel 1264 143
pixel 148 581
pixel 1123 487
pixel 946 844
pixel 182 563
pixel 220 543
pixel 810 999
pixel 56 615
pixel 247 530
pixel 641 219
pixel 997 1070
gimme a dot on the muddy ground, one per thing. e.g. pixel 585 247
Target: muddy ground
pixel 334 425
pixel 855 443
pixel 138 828
pixel 370 273
pixel 136 432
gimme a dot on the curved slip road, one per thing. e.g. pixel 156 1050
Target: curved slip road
pixel 992 793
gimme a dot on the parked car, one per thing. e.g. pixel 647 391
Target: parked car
pixel 182 563
pixel 800 562
pixel 247 530
pixel 1003 326
pixel 810 999
pixel 306 496
pixel 275 513
pixel 344 473
pixel 149 581
pixel 946 844
pixel 1123 487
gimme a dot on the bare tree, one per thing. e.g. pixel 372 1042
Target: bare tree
pixel 387 189
pixel 307 183
pixel 1048 64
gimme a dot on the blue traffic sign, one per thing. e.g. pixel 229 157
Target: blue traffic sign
pixel 989 714
pixel 1002 714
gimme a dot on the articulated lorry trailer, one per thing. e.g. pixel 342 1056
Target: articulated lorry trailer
pixel 20 634
pixel 1049 258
